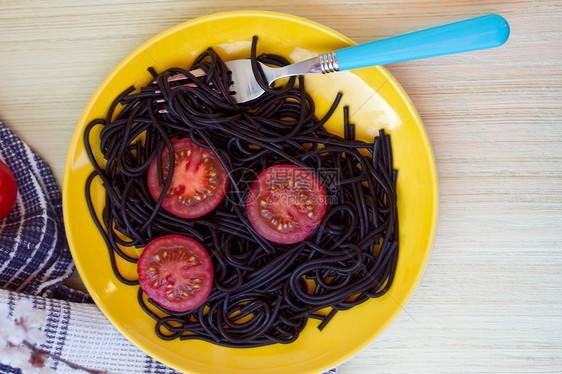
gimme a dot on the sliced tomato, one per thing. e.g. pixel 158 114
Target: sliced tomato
pixel 199 181
pixel 176 272
pixel 8 190
pixel 286 203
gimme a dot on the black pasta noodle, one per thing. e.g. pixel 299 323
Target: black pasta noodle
pixel 263 293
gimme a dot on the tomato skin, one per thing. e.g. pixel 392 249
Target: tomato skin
pixel 8 190
pixel 286 203
pixel 197 169
pixel 176 272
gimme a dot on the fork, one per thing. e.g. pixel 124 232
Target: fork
pixel 473 34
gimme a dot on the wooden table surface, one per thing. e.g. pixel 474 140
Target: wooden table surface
pixel 491 297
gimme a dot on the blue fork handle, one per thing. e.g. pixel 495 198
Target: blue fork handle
pixel 469 35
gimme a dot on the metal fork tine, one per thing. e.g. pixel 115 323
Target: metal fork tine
pixel 178 77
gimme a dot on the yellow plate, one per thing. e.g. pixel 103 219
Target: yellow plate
pixel 375 100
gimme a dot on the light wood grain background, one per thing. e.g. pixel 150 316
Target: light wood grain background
pixel 491 298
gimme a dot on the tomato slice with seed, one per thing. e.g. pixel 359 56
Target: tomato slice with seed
pixel 286 203
pixel 199 181
pixel 176 272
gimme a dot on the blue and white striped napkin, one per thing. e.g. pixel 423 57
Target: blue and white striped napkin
pixel 35 261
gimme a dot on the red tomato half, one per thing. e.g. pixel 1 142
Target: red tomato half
pixel 286 203
pixel 8 190
pixel 199 181
pixel 176 272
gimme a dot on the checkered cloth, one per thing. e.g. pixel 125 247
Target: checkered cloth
pixel 35 260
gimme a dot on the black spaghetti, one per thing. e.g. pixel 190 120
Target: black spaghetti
pixel 263 292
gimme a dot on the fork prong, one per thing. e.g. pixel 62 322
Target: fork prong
pixel 183 85
pixel 244 84
pixel 178 77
